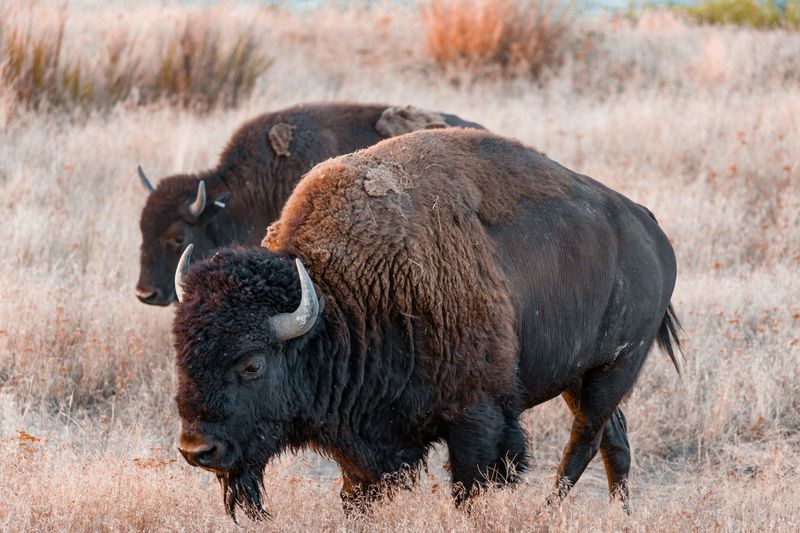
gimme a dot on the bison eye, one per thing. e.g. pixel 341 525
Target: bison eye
pixel 251 368
pixel 179 240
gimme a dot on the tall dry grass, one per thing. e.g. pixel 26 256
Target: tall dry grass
pixel 497 36
pixel 189 57
pixel 679 118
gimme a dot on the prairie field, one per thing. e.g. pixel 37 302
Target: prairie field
pixel 701 124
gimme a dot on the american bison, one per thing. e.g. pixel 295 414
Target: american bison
pixel 455 278
pixel 235 202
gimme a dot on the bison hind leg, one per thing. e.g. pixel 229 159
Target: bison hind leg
pixel 614 449
pixel 486 448
pixel 616 453
pixel 600 425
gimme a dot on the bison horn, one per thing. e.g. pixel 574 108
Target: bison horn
pixel 182 270
pixel 289 326
pixel 196 207
pixel 145 182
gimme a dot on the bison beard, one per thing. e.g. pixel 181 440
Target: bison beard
pixel 244 488
pixel 243 485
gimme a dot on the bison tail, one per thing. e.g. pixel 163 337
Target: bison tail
pixel 667 337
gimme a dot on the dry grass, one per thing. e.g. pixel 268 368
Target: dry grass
pixel 490 35
pixel 194 61
pixel 682 119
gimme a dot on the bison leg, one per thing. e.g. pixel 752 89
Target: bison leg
pixel 486 446
pixel 616 453
pixel 614 449
pixel 593 403
pixel 358 495
pixel 584 441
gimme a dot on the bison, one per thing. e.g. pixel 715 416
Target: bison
pixel 455 278
pixel 235 202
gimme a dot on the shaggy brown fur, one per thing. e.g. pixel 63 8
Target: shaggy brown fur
pixel 404 193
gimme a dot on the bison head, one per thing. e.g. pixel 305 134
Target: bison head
pixel 176 213
pixel 241 335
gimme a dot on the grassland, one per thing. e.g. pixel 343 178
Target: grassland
pixel 687 120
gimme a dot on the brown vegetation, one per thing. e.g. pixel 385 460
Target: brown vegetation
pixel 490 35
pixel 683 119
pixel 195 63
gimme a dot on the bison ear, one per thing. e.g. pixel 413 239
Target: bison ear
pixel 222 200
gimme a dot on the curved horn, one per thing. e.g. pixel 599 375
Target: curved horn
pixel 145 182
pixel 196 207
pixel 289 326
pixel 182 270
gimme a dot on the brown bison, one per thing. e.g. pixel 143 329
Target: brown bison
pixel 455 278
pixel 235 202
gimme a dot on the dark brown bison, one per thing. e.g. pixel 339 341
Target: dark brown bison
pixel 455 278
pixel 235 202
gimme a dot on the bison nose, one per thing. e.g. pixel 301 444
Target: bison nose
pixel 206 454
pixel 150 295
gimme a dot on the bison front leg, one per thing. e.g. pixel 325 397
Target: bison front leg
pixel 359 495
pixel 486 447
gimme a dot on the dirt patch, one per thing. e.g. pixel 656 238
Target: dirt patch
pixel 396 121
pixel 381 179
pixel 280 137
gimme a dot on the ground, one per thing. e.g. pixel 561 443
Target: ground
pixel 699 124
